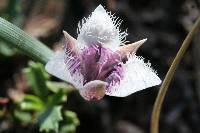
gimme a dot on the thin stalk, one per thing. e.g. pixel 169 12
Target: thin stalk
pixel 19 39
pixel 163 89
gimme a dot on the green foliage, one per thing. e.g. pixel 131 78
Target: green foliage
pixel 44 104
pixel 37 78
pixel 49 119
pixel 31 102
pixel 57 98
pixel 24 117
pixel 71 120
pixel 56 86
pixel 14 14
pixel 6 50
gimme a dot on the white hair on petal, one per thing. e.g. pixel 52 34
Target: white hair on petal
pixel 101 27
pixel 59 67
pixel 138 75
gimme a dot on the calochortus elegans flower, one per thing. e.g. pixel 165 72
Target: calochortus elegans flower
pixel 99 62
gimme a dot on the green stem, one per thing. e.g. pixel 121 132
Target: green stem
pixel 21 40
pixel 163 89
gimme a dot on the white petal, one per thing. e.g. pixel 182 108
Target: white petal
pixel 100 27
pixel 59 68
pixel 138 76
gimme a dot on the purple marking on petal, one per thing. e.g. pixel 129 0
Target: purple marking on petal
pixel 115 77
pixel 73 61
pixel 98 63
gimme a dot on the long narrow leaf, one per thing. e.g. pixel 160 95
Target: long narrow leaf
pixel 24 42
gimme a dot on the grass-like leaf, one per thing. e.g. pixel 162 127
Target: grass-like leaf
pixel 19 39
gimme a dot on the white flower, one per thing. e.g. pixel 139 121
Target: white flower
pixel 99 62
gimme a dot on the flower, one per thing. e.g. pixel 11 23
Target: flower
pixel 99 63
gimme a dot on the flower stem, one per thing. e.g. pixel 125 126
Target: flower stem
pixel 169 76
pixel 19 39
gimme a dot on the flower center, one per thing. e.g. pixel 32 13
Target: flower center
pixel 99 63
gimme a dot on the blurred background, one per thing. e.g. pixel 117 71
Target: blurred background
pixel 164 22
